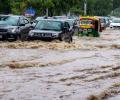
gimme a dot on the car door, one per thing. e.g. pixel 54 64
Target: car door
pixel 66 25
pixel 22 26
pixel 27 25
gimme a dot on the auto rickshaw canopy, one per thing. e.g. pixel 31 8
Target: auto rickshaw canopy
pixel 89 18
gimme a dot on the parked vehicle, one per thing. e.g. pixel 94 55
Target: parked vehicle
pixel 115 23
pixel 73 25
pixel 103 22
pixel 13 27
pixel 51 29
pixel 90 26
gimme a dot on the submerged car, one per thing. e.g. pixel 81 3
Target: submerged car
pixel 115 23
pixel 51 29
pixel 13 27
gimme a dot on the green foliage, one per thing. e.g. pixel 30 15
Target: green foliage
pixel 4 6
pixel 103 7
pixel 59 7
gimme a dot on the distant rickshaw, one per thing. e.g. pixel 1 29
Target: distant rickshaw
pixel 90 26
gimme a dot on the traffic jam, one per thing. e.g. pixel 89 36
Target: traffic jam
pixel 14 27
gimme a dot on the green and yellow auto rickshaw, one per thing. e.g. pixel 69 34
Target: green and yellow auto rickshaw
pixel 89 26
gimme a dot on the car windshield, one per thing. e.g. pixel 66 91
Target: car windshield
pixel 116 21
pixel 9 20
pixel 86 22
pixel 49 25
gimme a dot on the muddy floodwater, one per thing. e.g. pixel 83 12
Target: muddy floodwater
pixel 87 69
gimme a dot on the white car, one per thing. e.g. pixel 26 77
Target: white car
pixel 115 23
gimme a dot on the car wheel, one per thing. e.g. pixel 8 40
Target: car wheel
pixel 29 39
pixel 66 38
pixel 17 37
pixel 61 37
pixel 23 37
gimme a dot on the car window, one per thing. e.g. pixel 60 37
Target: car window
pixel 71 22
pixel 67 25
pixel 21 21
pixel 102 20
pixel 116 21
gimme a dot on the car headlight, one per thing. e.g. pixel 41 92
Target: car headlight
pixel 12 30
pixel 31 33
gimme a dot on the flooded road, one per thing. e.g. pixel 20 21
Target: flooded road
pixel 87 69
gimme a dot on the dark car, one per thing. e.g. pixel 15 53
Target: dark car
pixel 103 23
pixel 13 27
pixel 51 29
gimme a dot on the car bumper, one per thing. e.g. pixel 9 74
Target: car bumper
pixel 114 26
pixel 39 36
pixel 6 35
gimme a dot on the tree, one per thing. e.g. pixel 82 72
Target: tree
pixel 116 4
pixel 5 6
pixel 59 7
pixel 103 7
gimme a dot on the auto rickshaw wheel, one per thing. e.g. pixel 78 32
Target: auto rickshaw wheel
pixel 97 35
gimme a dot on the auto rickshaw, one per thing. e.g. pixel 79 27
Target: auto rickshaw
pixel 90 26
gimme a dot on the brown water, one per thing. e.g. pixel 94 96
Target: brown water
pixel 87 69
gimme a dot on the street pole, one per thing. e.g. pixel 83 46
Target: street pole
pixel 85 7
pixel 47 12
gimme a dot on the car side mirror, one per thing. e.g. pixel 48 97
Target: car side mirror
pixel 22 25
pixel 32 27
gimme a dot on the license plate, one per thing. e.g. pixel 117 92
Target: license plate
pixel 0 36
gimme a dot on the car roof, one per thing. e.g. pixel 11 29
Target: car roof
pixel 43 17
pixel 59 20
pixel 12 15
pixel 70 19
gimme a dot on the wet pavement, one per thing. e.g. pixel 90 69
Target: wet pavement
pixel 87 69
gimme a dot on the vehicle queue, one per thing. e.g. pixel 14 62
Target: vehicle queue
pixel 17 27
